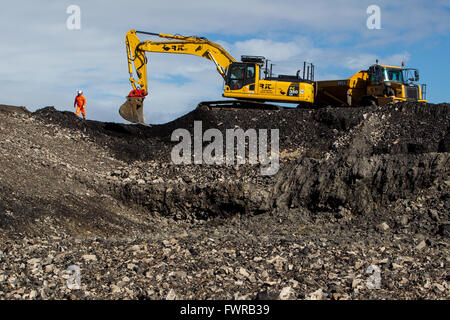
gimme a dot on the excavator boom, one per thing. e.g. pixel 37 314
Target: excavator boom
pixel 132 109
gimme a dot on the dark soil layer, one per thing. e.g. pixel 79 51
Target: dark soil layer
pixel 356 187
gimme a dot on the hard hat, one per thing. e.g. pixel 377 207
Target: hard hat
pixel 80 92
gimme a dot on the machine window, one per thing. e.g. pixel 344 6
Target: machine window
pixel 375 75
pixel 249 75
pixel 394 75
pixel 250 72
pixel 237 73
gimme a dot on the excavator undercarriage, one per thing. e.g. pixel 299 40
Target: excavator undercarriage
pixel 238 104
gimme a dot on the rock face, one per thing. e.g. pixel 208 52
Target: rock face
pixel 356 188
pixel 384 158
pixel 361 184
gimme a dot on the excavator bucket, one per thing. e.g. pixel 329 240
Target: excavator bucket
pixel 133 110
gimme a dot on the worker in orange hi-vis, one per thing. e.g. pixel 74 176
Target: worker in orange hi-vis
pixel 80 103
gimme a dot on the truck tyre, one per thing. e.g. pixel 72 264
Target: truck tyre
pixel 369 101
pixel 389 92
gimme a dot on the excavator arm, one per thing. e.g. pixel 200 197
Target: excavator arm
pixel 132 109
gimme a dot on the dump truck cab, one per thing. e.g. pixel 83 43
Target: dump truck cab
pixel 252 79
pixel 379 85
pixel 390 84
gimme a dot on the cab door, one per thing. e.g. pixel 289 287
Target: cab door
pixel 241 77
pixel 235 79
pixel 375 86
pixel 250 78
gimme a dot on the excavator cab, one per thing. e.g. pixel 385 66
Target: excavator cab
pixel 240 75
pixel 252 79
pixel 243 74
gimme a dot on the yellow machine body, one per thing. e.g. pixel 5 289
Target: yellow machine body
pixel 285 90
pixel 380 84
pixel 243 80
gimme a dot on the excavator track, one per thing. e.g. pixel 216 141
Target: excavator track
pixel 238 105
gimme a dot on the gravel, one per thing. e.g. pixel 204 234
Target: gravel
pixel 361 193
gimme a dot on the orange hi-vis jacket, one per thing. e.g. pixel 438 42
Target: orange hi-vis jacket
pixel 80 101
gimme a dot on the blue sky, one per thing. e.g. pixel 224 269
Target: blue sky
pixel 43 63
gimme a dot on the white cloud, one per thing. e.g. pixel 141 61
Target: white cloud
pixel 289 56
pixel 277 51
pixel 42 63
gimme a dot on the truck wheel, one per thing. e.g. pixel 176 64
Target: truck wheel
pixel 369 102
pixel 389 92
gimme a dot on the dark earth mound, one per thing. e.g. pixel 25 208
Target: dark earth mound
pixel 356 187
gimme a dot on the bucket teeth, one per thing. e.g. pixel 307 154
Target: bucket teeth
pixel 133 110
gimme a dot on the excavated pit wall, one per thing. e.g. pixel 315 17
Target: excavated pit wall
pixel 360 159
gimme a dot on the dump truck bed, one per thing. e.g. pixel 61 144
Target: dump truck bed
pixel 342 92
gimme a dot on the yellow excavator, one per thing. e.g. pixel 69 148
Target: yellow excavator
pixel 250 82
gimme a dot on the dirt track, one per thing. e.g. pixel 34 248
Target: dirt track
pixel 356 187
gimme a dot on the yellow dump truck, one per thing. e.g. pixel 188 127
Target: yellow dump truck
pixel 379 85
